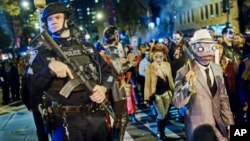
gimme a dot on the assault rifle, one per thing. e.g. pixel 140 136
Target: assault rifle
pixel 45 38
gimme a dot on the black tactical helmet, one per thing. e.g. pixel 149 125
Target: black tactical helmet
pixel 53 8
pixel 110 33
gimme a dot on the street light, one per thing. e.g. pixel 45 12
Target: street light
pixel 99 16
pixel 25 4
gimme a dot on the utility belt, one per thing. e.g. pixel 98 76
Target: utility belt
pixel 85 110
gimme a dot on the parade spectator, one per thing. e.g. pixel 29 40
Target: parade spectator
pixel 4 84
pixel 13 79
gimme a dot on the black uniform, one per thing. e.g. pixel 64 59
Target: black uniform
pixel 85 119
pixel 31 102
pixel 4 84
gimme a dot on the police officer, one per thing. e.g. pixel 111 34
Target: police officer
pixel 78 117
pixel 114 54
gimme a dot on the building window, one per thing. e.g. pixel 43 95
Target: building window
pixel 192 15
pixel 206 11
pixel 184 18
pixel 211 11
pixel 217 9
pixel 180 16
pixel 202 14
pixel 188 16
pixel 221 7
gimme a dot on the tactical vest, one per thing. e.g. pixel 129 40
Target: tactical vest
pixel 85 61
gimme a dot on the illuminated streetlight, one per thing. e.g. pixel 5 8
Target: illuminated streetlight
pixel 99 16
pixel 25 4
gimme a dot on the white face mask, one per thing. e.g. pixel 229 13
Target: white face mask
pixel 230 34
pixel 204 52
pixel 134 42
pixel 177 39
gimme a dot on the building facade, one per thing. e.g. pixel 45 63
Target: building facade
pixel 211 13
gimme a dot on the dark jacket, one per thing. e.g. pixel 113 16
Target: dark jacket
pixel 42 79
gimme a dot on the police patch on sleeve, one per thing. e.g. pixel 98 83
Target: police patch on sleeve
pixel 33 54
pixel 90 50
pixel 110 79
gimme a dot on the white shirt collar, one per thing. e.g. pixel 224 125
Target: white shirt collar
pixel 203 67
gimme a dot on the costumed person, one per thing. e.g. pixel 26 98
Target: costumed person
pixel 136 56
pixel 4 85
pixel 159 86
pixel 142 72
pixel 74 113
pixel 114 55
pixel 243 114
pixel 231 50
pixel 232 56
pixel 176 55
pixel 200 86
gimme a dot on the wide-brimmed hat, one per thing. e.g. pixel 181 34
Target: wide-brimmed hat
pixel 203 36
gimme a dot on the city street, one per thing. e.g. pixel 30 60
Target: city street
pixel 17 124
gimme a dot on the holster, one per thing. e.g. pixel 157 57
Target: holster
pixel 47 114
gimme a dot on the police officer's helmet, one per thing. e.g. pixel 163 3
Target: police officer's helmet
pixel 110 34
pixel 52 8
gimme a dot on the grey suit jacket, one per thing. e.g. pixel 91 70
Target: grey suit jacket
pixel 202 108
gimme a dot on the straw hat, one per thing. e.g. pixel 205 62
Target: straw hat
pixel 203 36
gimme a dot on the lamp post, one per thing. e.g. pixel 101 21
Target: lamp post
pixel 40 4
pixel 25 4
pixel 99 17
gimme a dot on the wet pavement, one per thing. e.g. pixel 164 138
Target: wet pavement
pixel 17 124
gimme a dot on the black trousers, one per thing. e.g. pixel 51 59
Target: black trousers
pixel 84 127
pixel 6 92
pixel 42 135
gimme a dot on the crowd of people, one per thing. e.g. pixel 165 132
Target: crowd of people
pixel 10 72
pixel 205 76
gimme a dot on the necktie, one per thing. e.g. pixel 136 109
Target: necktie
pixel 208 78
